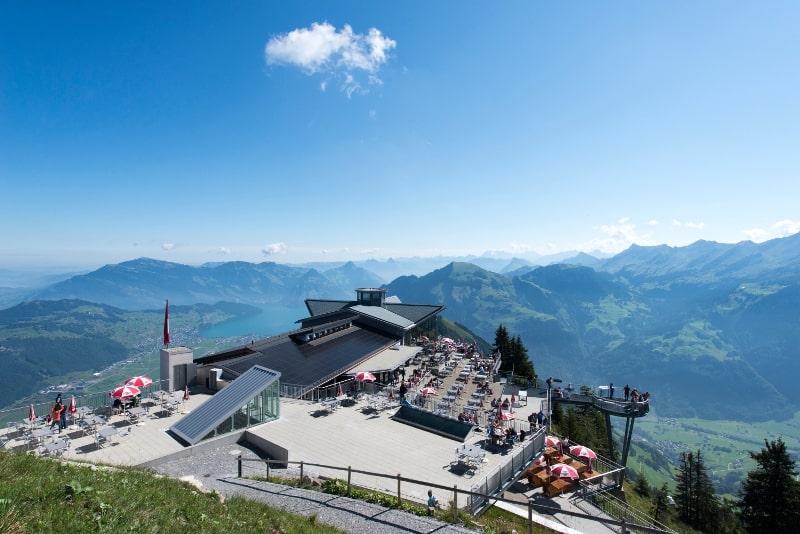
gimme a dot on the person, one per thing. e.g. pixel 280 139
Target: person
pixel 540 418
pixel 403 389
pixel 521 435
pixel 55 415
pixel 626 391
pixel 611 390
pixel 433 502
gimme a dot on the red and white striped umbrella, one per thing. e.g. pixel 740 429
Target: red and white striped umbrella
pixel 428 391
pixel 339 391
pixel 139 381
pixel 72 407
pixel 365 376
pixel 125 392
pixel 186 393
pixel 564 471
pixel 582 452
pixel 552 441
pixel 32 414
pixel 504 416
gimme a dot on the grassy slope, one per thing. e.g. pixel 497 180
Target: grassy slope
pixel 42 496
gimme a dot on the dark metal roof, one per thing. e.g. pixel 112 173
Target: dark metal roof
pixel 321 307
pixel 416 313
pixel 208 416
pixel 383 315
pixel 310 363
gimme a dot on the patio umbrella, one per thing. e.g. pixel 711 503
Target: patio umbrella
pixel 584 452
pixel 186 393
pixel 32 414
pixel 428 391
pixel 339 391
pixel 552 441
pixel 504 416
pixel 564 471
pixel 125 392
pixel 513 399
pixel 139 381
pixel 365 376
pixel 391 394
pixel 72 408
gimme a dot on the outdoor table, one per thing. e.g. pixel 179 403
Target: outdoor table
pixel 83 411
pixel 449 398
pixel 472 408
pixel 104 435
pixel 479 395
pixel 38 435
pixel 42 432
pixel 57 447
pixel 330 403
pixel 474 402
pixel 135 413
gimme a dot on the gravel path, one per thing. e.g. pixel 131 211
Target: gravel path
pixel 216 471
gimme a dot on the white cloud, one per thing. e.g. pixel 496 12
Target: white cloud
pixel 782 228
pixel 167 246
pixel 617 237
pixel 653 222
pixel 224 250
pixel 689 224
pixel 325 50
pixel 274 248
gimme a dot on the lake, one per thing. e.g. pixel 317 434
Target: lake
pixel 273 319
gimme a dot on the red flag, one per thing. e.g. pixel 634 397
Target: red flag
pixel 166 325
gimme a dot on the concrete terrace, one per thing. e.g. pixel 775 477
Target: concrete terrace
pixel 354 436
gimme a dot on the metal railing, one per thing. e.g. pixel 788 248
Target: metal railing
pixel 92 401
pixel 410 489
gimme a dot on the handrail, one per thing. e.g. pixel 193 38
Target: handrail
pixel 470 493
pixel 616 406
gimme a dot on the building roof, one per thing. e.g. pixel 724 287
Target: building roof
pixel 308 363
pixel 230 399
pixel 383 315
pixel 416 313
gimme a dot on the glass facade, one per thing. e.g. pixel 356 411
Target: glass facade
pixel 262 408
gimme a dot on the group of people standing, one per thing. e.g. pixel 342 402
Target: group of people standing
pixel 629 394
pixel 57 415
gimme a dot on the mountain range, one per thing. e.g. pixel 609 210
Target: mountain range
pixel 710 330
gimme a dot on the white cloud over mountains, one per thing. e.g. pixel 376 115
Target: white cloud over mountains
pixel 322 49
pixel 275 248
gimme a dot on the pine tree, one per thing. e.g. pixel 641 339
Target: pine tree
pixel 695 496
pixel 660 502
pixel 642 486
pixel 770 495
pixel 514 354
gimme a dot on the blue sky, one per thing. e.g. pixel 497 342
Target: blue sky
pixel 313 131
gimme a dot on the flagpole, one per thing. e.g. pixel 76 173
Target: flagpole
pixel 166 325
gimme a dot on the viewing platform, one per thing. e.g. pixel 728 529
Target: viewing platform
pixel 617 407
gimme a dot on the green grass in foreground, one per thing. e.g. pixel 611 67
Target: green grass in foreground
pixel 43 495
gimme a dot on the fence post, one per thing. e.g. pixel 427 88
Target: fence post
pixel 268 463
pixel 349 476
pixel 239 462
pixel 530 517
pixel 301 471
pixel 455 503
pixel 398 491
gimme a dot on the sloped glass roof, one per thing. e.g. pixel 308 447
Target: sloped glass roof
pixel 206 417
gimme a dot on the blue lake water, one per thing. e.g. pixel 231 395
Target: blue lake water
pixel 273 319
